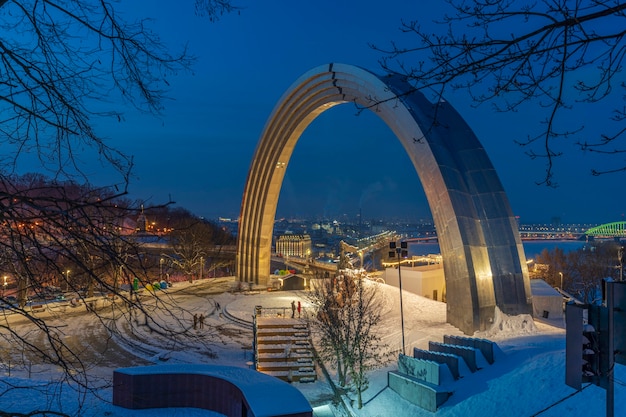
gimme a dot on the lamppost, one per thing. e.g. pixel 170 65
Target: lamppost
pixel 402 253
pixel 67 280
pixel 361 256
pixel 561 275
pixel 4 286
pixel 161 269
pixel 620 258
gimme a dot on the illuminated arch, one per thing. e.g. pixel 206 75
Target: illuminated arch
pixel 484 262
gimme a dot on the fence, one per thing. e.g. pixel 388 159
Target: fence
pixel 284 312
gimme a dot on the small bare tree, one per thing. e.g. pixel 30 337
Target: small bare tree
pixel 366 347
pixel 347 312
pixel 330 323
pixel 559 54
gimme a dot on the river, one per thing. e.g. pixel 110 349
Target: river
pixel 532 248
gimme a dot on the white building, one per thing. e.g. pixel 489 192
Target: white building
pixel 427 280
pixel 294 245
pixel 547 302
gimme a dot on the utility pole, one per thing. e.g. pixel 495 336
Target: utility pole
pixel 620 258
pixel 602 336
pixel 401 252
pixel 610 389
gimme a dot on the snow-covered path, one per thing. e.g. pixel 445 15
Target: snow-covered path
pixel 527 378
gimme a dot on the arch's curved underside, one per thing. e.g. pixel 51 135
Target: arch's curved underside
pixel 484 262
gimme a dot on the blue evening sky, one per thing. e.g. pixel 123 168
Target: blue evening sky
pixel 199 152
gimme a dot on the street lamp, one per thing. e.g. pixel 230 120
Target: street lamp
pixel 561 274
pixel 620 258
pixel 402 253
pixel 67 280
pixel 161 269
pixel 4 286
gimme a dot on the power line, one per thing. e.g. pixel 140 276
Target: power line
pixel 561 400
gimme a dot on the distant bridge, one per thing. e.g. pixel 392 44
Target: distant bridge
pixel 615 229
pixel 301 263
pixel 433 238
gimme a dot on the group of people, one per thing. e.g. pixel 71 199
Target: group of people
pixel 198 321
pixel 294 308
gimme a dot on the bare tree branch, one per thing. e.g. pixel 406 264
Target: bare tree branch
pixel 559 55
pixel 65 64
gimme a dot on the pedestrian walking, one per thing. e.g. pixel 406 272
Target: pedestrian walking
pixel 201 321
pixel 299 309
pixel 195 321
pixel 293 309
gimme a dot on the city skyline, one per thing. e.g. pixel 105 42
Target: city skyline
pixel 198 154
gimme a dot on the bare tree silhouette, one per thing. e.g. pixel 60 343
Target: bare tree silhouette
pixel 558 55
pixel 66 64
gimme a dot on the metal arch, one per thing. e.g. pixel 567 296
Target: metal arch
pixel 615 229
pixel 484 262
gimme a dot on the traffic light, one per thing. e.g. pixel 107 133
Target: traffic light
pixel 591 354
pixel 401 251
pixel 619 321
pixel 586 345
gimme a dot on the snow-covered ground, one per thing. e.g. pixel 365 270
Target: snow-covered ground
pixel 527 378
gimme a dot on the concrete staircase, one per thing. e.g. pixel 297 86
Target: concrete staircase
pixel 282 348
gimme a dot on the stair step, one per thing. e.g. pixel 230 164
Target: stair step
pixel 295 373
pixel 291 357
pixel 283 350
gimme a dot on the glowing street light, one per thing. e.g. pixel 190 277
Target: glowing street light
pixel 161 269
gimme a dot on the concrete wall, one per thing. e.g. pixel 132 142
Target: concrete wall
pixel 230 391
pixel 424 370
pixel 468 354
pixel 486 347
pixel 420 393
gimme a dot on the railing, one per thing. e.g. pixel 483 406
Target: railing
pixel 283 312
